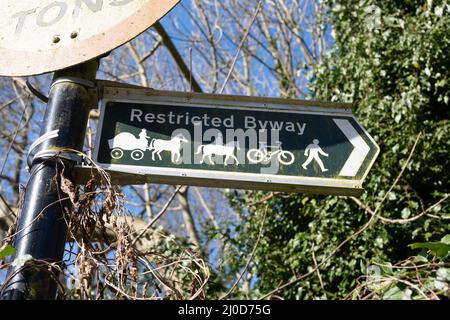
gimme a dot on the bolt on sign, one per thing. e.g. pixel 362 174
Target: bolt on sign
pixel 232 141
pixel 38 36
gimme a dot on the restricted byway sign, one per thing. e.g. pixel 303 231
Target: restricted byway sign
pixel 232 141
pixel 38 36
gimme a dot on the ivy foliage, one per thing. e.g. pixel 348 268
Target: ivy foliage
pixel 391 61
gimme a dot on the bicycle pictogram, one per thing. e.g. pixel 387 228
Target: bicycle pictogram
pixel 265 153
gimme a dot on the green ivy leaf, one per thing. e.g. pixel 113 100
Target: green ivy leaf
pixel 446 239
pixel 7 250
pixel 420 259
pixel 438 249
pixel 394 293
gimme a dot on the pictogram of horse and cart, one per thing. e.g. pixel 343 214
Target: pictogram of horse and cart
pixel 137 147
pixel 126 141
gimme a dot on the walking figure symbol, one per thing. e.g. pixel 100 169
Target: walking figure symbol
pixel 313 152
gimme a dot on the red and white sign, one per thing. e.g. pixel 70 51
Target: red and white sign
pixel 38 36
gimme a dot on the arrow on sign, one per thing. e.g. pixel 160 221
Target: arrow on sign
pixel 360 151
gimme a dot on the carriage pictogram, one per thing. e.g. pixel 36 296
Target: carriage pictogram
pixel 126 141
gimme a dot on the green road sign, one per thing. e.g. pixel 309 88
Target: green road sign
pixel 231 141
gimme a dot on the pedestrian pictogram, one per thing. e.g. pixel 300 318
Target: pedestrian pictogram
pixel 313 152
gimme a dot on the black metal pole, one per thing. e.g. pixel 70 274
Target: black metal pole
pixel 42 229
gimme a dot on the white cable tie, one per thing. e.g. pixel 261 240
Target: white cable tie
pixel 46 136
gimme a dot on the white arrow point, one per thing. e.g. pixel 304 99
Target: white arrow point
pixel 360 151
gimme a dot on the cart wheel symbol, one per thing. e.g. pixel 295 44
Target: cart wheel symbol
pixel 116 153
pixel 137 154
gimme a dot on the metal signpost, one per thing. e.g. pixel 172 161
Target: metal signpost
pixel 42 228
pixel 230 141
pixel 38 36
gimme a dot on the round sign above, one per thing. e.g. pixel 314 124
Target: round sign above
pixel 38 36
